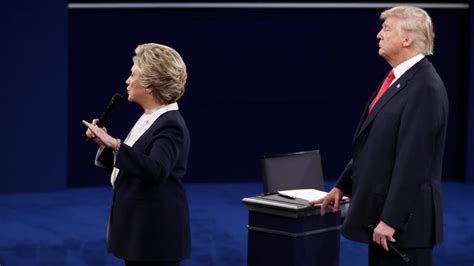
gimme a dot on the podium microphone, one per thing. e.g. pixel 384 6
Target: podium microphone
pixel 114 102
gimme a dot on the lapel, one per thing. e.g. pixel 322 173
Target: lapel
pixel 364 114
pixel 142 141
pixel 397 86
pixel 139 146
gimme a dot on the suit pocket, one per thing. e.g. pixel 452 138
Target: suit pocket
pixel 419 231
pixel 375 204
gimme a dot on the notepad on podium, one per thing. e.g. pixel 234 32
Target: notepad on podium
pixel 306 194
pixel 290 200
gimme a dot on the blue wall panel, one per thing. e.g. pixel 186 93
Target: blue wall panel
pixel 470 121
pixel 34 92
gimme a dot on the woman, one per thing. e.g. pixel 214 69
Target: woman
pixel 149 218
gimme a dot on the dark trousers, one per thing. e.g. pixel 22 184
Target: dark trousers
pixel 151 263
pixel 418 256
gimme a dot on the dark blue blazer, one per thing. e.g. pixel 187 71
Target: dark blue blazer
pixel 395 171
pixel 149 219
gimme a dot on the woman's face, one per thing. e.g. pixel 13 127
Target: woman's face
pixel 136 92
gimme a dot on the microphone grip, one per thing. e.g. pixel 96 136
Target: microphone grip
pixel 114 102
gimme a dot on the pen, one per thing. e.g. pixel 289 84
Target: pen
pixel 286 196
pixel 268 193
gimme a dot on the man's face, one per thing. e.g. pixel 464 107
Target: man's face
pixel 390 39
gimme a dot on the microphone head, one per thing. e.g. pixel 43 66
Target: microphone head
pixel 114 102
pixel 117 98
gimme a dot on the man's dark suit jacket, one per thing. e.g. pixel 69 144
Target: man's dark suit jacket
pixel 149 219
pixel 395 171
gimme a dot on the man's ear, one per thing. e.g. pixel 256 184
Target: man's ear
pixel 407 42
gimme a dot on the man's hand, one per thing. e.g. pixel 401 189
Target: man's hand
pixel 382 233
pixel 331 201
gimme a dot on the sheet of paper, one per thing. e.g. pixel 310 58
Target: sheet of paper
pixel 306 194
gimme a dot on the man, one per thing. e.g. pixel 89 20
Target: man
pixel 394 176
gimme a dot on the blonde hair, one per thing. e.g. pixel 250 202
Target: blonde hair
pixel 417 22
pixel 161 68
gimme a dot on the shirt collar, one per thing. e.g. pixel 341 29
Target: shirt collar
pixel 399 70
pixel 162 110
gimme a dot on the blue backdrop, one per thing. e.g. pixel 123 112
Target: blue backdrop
pixel 470 121
pixel 261 81
pixel 34 88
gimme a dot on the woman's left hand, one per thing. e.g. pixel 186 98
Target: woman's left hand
pixel 102 135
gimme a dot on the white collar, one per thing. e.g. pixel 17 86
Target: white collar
pixel 155 114
pixel 142 125
pixel 399 70
pixel 145 122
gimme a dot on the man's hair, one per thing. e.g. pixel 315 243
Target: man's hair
pixel 161 68
pixel 417 22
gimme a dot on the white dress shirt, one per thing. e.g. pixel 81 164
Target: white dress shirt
pixel 399 70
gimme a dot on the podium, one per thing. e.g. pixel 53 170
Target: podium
pixel 291 232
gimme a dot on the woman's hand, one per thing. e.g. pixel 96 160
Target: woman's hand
pixel 99 135
pixel 91 135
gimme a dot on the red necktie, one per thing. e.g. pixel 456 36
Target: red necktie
pixel 386 83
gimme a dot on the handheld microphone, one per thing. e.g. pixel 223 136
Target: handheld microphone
pixel 391 246
pixel 114 102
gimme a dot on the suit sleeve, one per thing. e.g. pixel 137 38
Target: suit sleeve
pixel 105 159
pixel 421 120
pixel 166 145
pixel 344 182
